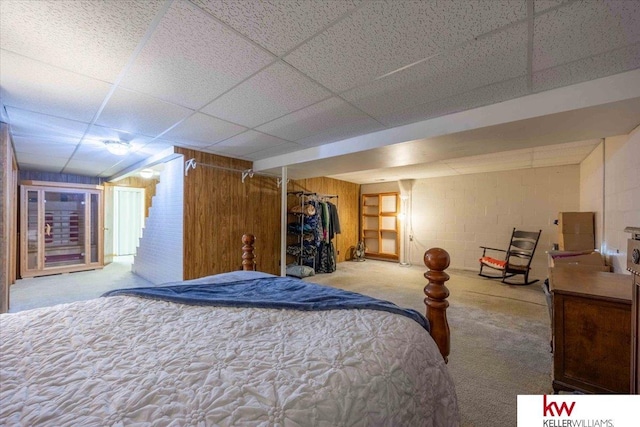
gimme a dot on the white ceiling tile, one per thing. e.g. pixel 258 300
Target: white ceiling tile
pixel 100 134
pixel 555 161
pixel 381 37
pixel 587 144
pixel 331 115
pixel 56 147
pixel 191 59
pixel 515 156
pixel 202 130
pixel 272 93
pixel 542 5
pixel 422 171
pixel 96 157
pixel 570 153
pixel 246 143
pixel 41 166
pixel 124 164
pixel 140 114
pixel 479 97
pixel 494 167
pixel 96 151
pixel 343 129
pixel 27 123
pixel 89 37
pixel 278 26
pixel 154 147
pixel 33 86
pixel 575 31
pixel 284 148
pixel 592 67
pixel 493 59
pixel 48 158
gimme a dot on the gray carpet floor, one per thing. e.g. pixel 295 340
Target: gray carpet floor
pixel 499 333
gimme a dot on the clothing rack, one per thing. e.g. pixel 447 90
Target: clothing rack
pixel 313 194
pixel 324 248
pixel 246 173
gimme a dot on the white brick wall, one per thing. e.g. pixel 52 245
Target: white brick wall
pixel 159 256
pixel 461 213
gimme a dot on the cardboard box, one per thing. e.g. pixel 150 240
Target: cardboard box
pixel 591 262
pixel 576 242
pixel 575 223
pixel 594 258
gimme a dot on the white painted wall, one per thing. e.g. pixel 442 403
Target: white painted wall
pixel 621 195
pixel 461 213
pixel 160 253
pixel 592 190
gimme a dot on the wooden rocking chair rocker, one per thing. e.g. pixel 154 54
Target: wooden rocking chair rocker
pixel 517 260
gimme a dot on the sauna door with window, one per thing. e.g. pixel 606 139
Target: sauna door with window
pixel 61 228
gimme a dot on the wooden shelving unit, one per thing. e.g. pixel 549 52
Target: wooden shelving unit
pixel 379 225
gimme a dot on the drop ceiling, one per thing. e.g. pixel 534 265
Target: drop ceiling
pixel 358 90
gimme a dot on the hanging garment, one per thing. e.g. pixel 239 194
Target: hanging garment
pixel 326 221
pixel 334 220
pixel 326 259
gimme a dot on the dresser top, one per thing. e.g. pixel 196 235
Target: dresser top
pixel 573 280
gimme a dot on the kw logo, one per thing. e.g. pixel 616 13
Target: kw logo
pixel 552 409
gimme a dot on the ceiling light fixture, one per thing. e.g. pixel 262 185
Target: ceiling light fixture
pixel 146 173
pixel 119 148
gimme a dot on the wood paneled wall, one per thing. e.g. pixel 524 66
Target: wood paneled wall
pixel 8 217
pixel 348 203
pixel 219 209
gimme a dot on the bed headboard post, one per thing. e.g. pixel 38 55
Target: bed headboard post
pixel 248 264
pixel 437 260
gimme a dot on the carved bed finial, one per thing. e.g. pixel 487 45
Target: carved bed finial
pixel 437 260
pixel 247 256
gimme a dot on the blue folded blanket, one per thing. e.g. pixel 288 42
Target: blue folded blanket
pixel 270 292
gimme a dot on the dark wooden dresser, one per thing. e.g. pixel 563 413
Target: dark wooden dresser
pixel 633 265
pixel 591 331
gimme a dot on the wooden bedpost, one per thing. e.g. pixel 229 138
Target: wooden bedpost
pixel 247 252
pixel 437 260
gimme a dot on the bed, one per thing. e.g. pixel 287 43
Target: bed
pixel 130 358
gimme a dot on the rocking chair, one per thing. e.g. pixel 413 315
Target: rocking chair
pixel 517 260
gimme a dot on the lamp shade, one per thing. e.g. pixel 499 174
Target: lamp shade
pixel 146 173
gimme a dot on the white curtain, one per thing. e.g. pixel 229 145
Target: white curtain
pixel 128 219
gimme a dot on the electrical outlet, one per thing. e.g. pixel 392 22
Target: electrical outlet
pixel 411 237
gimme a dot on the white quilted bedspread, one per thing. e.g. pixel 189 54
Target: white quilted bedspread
pixel 124 361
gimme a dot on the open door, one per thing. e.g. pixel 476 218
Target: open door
pixel 128 220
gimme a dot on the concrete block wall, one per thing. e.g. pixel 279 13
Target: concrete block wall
pixel 621 195
pixel 461 213
pixel 592 191
pixel 159 258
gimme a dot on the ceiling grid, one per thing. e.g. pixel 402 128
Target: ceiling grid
pixel 310 84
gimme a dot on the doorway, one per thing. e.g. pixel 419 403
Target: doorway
pixel 128 219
